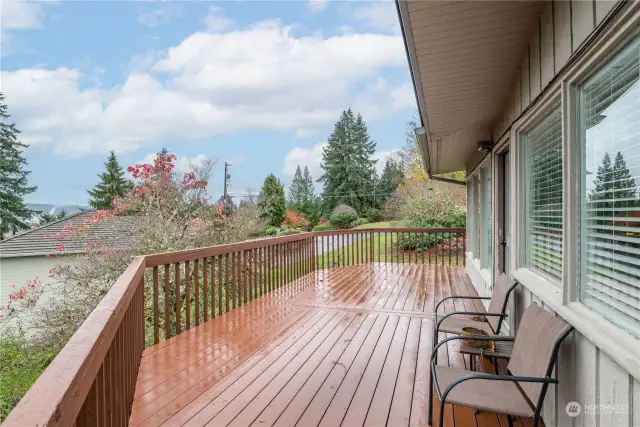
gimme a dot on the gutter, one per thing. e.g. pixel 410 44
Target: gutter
pixel 407 37
pixel 448 180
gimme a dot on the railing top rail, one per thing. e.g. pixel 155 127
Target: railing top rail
pixel 198 253
pixel 59 393
pixel 390 229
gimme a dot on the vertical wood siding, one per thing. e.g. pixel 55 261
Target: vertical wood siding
pixel 562 27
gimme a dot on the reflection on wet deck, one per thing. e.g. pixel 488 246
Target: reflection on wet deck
pixel 347 347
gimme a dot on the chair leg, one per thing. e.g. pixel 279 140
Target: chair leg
pixel 435 359
pixel 510 420
pixel 441 422
pixel 430 417
pixel 495 365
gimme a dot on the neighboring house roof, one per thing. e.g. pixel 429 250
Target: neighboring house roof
pixel 43 240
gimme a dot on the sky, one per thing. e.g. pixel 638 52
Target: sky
pixel 258 84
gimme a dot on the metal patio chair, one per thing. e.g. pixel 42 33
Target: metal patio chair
pixel 453 322
pixel 519 393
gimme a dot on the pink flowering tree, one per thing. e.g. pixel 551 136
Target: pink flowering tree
pixel 164 211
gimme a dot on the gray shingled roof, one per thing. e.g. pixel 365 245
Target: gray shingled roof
pixel 43 240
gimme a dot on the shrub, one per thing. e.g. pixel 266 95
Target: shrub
pixel 294 220
pixel 271 231
pixel 322 227
pixel 360 221
pixel 20 366
pixel 342 209
pixel 343 219
pixel 373 214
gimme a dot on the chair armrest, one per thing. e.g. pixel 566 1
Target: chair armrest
pixel 469 337
pixel 466 313
pixel 490 377
pixel 457 297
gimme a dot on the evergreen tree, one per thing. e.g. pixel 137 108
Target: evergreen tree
pixel 392 175
pixel 602 194
pixel 112 184
pixel 348 165
pixel 46 218
pixel 272 201
pixel 297 192
pixel 309 200
pixel 13 177
pixel 624 185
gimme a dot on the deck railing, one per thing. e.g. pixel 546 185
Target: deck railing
pixel 92 380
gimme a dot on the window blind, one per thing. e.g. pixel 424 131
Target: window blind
pixel 543 148
pixel 609 108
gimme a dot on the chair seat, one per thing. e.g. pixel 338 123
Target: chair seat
pixel 454 325
pixel 486 395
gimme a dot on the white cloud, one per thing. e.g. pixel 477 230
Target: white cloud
pixel 21 15
pixel 302 156
pixel 182 163
pixel 215 20
pixel 312 158
pixel 258 78
pixel 160 15
pixel 237 161
pixel 318 5
pixel 380 15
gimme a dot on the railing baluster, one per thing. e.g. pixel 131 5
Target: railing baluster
pixel 205 290
pixel 219 262
pixel 156 326
pixel 196 288
pixel 187 296
pixel 212 286
pixel 176 279
pixel 167 300
pixel 227 296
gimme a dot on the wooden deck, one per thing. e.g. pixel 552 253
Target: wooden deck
pixel 345 347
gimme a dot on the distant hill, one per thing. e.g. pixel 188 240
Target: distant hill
pixel 52 209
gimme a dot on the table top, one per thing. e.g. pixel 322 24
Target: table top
pixel 502 350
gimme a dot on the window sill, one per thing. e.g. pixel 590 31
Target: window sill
pixel 619 345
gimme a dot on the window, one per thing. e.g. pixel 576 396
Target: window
pixel 471 226
pixel 479 221
pixel 485 226
pixel 609 132
pixel 543 159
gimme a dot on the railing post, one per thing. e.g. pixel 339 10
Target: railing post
pixel 371 247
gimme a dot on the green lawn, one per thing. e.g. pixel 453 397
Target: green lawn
pixel 381 224
pixel 19 369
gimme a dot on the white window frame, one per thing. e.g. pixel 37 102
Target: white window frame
pixel 476 256
pixel 619 345
pixel 519 189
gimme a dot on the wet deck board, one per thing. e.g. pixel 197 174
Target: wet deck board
pixel 347 347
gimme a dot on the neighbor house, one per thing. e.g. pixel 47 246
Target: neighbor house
pixel 37 251
pixel 540 103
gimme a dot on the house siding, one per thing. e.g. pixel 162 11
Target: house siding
pixel 16 271
pixel 587 374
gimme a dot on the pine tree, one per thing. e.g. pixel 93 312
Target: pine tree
pixel 112 184
pixel 601 196
pixel 309 200
pixel 13 177
pixel 624 185
pixel 272 201
pixel 348 165
pixel 391 177
pixel 297 192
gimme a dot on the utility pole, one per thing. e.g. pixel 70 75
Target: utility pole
pixel 227 177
